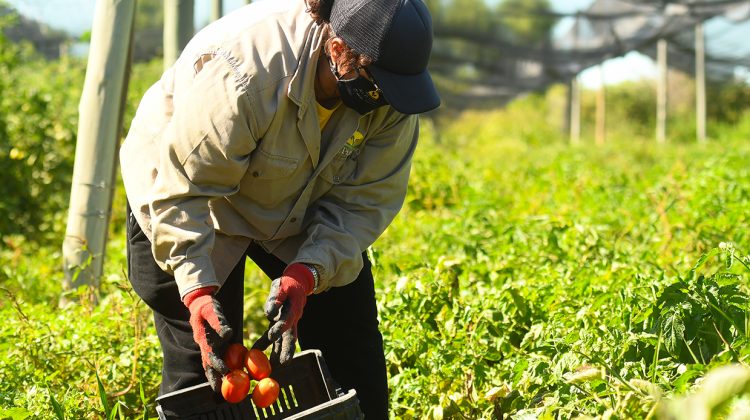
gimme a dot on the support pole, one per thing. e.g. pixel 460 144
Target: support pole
pixel 700 83
pixel 178 28
pixel 661 92
pixel 99 126
pixel 568 108
pixel 216 10
pixel 601 109
pixel 575 111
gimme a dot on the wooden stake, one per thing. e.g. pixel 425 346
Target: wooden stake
pixel 601 109
pixel 216 10
pixel 99 126
pixel 700 83
pixel 661 92
pixel 178 28
pixel 575 111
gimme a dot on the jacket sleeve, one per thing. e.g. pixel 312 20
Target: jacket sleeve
pixel 353 214
pixel 204 153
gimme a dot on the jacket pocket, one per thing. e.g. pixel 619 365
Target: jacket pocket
pixel 272 181
pixel 267 166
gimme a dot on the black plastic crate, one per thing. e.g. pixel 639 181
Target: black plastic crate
pixel 307 392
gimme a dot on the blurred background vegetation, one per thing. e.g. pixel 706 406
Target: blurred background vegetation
pixel 41 86
pixel 524 137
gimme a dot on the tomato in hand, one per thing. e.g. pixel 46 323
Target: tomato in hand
pixel 257 364
pixel 235 356
pixel 235 385
pixel 265 393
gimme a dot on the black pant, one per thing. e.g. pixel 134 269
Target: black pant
pixel 341 322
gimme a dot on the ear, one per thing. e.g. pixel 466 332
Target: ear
pixel 336 48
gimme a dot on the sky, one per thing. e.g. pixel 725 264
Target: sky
pixel 75 16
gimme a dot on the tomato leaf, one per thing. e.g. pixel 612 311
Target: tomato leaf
pixel 59 412
pixel 103 395
pixel 673 331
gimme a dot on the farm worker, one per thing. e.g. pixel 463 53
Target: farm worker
pixel 285 133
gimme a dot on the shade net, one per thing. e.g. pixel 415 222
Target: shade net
pixel 488 66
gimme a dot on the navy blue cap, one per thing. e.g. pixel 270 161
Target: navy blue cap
pixel 397 35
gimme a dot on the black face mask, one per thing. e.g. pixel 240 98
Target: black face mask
pixel 359 93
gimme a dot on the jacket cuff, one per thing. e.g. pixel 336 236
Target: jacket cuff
pixel 321 267
pixel 304 274
pixel 193 274
pixel 194 294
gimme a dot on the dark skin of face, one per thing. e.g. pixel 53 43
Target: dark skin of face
pixel 326 91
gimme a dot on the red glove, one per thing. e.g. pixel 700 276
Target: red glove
pixel 211 332
pixel 283 308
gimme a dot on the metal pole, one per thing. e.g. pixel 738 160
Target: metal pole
pixel 178 28
pixel 575 111
pixel 661 92
pixel 700 82
pixel 99 126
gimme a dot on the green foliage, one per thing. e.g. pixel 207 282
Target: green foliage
pixel 698 316
pixel 526 20
pixel 722 394
pixel 631 110
pixel 79 361
pixel 36 134
pixel 728 101
pixel 467 13
pixel 38 125
pixel 532 121
pixel 149 30
pixel 37 145
pixel 524 278
pixel 634 102
pixel 541 281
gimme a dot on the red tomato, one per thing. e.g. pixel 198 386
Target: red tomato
pixel 257 364
pixel 235 356
pixel 265 393
pixel 235 386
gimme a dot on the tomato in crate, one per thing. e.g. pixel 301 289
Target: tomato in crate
pixel 306 390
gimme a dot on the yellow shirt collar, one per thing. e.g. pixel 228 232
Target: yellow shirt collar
pixel 324 114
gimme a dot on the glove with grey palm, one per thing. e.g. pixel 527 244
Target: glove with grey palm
pixel 211 332
pixel 283 308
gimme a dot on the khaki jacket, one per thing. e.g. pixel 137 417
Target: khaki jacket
pixel 226 149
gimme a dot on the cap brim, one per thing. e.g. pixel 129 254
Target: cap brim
pixel 408 94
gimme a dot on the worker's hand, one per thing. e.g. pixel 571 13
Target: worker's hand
pixel 210 330
pixel 283 309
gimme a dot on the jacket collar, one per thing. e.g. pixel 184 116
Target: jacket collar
pixel 301 91
pixel 301 88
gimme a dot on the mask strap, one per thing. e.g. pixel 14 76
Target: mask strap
pixel 336 73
